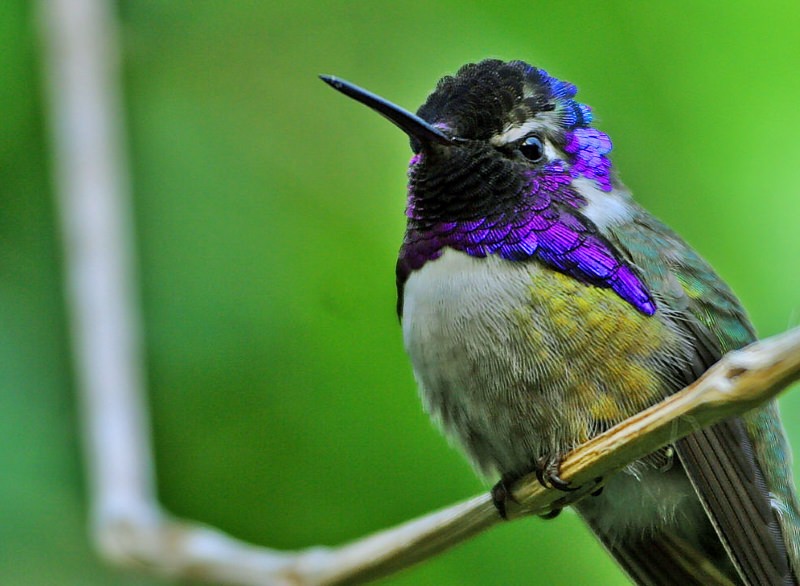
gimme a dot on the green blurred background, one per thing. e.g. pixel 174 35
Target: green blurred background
pixel 269 210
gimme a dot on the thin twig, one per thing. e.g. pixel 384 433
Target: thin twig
pixel 81 56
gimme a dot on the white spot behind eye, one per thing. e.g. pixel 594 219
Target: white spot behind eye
pixel 604 208
pixel 551 153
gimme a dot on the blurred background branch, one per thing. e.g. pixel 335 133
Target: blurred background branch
pixel 81 62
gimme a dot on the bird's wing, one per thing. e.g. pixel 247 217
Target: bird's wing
pixel 720 461
pixel 665 559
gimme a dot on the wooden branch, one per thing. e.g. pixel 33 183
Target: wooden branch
pixel 81 56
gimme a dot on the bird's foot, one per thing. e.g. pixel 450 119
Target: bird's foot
pixel 547 473
pixel 501 493
pixel 548 469
pixel 554 512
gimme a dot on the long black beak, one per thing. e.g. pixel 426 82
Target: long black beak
pixel 411 124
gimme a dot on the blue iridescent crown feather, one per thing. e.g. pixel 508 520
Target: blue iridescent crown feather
pixel 573 113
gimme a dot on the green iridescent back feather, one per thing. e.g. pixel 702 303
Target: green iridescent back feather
pixel 706 308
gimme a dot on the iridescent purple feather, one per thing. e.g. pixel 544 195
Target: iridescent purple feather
pixel 555 234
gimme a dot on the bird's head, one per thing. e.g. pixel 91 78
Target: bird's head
pixel 506 162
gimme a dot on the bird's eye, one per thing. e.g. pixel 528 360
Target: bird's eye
pixel 532 148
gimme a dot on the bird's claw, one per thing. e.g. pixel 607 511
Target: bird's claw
pixel 501 493
pixel 555 512
pixel 547 473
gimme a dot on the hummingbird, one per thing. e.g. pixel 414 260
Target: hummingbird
pixel 541 305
